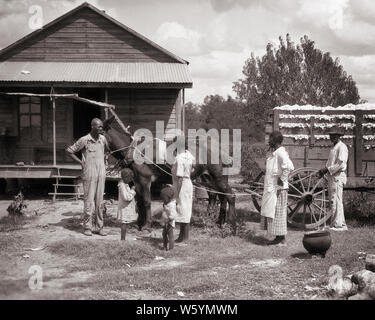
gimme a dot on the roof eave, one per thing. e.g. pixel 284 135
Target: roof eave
pixel 164 85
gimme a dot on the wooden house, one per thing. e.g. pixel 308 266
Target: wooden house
pixel 86 52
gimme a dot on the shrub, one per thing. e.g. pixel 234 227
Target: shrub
pixel 359 207
pixel 207 220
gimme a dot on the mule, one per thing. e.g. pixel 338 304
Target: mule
pixel 211 176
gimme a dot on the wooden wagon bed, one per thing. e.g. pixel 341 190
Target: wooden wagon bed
pixel 306 139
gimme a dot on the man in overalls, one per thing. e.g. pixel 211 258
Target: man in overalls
pixel 93 146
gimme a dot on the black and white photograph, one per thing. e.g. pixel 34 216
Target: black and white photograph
pixel 187 156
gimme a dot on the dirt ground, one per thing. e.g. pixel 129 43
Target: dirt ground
pixel 49 223
pixel 209 267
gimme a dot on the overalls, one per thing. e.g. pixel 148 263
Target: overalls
pixel 94 174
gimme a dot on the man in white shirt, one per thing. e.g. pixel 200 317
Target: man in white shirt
pixel 335 170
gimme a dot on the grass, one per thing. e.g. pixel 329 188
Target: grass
pixel 104 254
pixel 214 264
pixel 9 223
pixel 359 207
pixel 215 267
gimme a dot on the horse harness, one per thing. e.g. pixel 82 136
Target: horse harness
pixel 128 157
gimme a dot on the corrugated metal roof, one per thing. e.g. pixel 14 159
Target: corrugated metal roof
pixel 98 72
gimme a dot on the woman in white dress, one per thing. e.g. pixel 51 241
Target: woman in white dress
pixel 275 194
pixel 181 171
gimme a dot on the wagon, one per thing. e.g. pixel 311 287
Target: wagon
pixel 305 137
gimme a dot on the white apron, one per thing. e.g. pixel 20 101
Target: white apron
pixel 278 164
pixel 182 169
pixel 269 193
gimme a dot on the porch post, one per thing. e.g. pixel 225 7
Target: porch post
pixel 54 129
pixel 106 101
pixel 183 112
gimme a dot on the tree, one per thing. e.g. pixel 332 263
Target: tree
pixel 291 75
pixel 192 116
pixel 220 113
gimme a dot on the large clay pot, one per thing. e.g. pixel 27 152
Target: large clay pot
pixel 317 242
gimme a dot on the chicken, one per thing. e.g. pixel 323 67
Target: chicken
pixel 338 285
pixel 365 279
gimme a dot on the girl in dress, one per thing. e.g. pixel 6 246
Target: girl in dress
pixel 126 212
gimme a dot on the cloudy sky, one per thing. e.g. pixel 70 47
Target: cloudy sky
pixel 217 36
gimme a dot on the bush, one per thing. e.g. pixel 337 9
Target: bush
pixel 253 157
pixel 359 207
pixel 207 220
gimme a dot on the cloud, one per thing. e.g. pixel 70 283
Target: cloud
pixel 272 5
pixel 214 73
pixel 323 13
pixel 178 39
pixel 363 10
pixel 336 26
pixel 362 68
pixel 15 15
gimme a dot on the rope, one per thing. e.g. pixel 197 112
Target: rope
pixel 130 146
pixel 195 186
pixel 152 162
pixel 202 188
pixel 51 93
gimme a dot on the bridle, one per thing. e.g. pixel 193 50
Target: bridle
pixel 122 162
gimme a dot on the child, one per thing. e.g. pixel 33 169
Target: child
pixel 126 212
pixel 168 216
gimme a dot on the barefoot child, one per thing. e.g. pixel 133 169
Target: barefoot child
pixel 168 216
pixel 126 212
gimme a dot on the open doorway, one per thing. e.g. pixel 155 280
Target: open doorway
pixel 83 112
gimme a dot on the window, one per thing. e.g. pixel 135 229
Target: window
pixel 30 118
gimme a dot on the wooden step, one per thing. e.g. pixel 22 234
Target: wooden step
pixel 65 194
pixel 65 177
pixel 68 193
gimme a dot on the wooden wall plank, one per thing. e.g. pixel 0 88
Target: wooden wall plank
pixel 86 36
pixel 141 108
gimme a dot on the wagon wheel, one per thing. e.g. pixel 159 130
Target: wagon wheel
pixel 308 200
pixel 257 187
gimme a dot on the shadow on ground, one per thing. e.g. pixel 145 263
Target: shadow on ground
pixel 157 243
pixel 72 224
pixel 254 238
pixel 302 255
